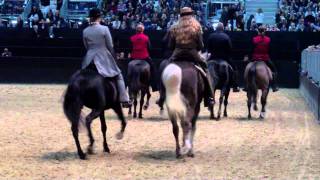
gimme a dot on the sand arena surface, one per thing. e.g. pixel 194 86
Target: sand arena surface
pixel 36 141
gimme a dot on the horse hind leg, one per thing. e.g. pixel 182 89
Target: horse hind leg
pixel 220 103
pixel 104 131
pixel 94 114
pixel 212 107
pixel 146 106
pixel 255 106
pixel 225 113
pixel 75 133
pixel 186 125
pixel 264 103
pixel 141 103
pixel 193 130
pixel 249 101
pixel 175 130
pixel 135 103
pixel 118 110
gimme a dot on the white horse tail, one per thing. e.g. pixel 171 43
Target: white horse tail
pixel 172 79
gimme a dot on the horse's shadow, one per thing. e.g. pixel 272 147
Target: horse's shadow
pixel 152 156
pixel 247 119
pixel 59 156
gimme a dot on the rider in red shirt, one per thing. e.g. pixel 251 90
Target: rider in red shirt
pixel 261 44
pixel 140 51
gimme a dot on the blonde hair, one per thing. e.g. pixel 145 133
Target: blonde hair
pixel 186 28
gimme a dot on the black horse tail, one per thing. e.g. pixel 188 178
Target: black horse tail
pixel 134 78
pixel 72 104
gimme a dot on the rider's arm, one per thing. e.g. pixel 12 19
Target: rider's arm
pixel 109 42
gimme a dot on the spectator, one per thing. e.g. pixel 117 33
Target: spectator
pixel 6 53
pixel 35 17
pixel 259 17
pixel 116 23
pixel 251 18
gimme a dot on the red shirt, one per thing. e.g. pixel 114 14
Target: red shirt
pixel 140 43
pixel 261 48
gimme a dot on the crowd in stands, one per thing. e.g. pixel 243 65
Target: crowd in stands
pixel 292 15
pixel 154 14
pixel 298 15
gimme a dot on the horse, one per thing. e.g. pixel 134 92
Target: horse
pixel 221 73
pixel 257 76
pixel 90 89
pixel 184 87
pixel 139 77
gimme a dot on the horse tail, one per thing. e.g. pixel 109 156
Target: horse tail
pixel 72 104
pixel 172 80
pixel 134 78
pixel 252 77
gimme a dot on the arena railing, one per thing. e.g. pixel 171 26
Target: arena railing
pixel 310 64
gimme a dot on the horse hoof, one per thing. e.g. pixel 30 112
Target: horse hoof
pixel 119 135
pixel 184 150
pixel 145 107
pixel 161 112
pixel 106 149
pixel 255 108
pixel 90 150
pixel 129 113
pixel 82 156
pixel 178 156
pixel 249 117
pixel 262 115
pixel 212 117
pixel 225 115
pixel 134 115
pixel 190 154
pixel 140 117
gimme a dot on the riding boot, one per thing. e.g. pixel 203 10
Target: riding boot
pixel 123 95
pixel 208 95
pixel 208 98
pixel 273 83
pixel 235 81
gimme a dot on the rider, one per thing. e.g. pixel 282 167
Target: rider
pixel 261 44
pixel 140 46
pixel 186 42
pixel 100 53
pixel 220 46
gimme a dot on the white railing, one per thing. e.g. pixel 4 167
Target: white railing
pixel 310 64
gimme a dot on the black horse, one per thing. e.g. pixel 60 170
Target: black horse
pixel 221 73
pixel 139 77
pixel 90 89
pixel 184 86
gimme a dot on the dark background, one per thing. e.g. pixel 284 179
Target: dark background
pixel 44 60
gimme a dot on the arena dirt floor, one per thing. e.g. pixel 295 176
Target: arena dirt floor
pixel 36 141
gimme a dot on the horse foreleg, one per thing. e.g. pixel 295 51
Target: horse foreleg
pixel 264 103
pixel 94 114
pixel 146 106
pixel 226 97
pixel 130 108
pixel 118 110
pixel 104 131
pixel 175 130
pixel 75 133
pixel 141 103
